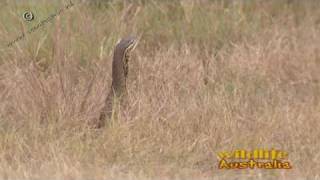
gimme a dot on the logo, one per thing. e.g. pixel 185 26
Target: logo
pixel 28 16
pixel 258 158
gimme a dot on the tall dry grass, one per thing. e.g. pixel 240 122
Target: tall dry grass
pixel 207 76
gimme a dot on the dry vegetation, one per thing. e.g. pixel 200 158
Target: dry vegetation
pixel 206 76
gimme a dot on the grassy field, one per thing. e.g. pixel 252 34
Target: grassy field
pixel 206 76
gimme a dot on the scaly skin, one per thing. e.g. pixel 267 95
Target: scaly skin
pixel 118 90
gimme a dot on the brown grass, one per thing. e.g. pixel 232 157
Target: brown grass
pixel 205 77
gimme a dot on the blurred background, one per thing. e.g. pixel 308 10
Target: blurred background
pixel 207 76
